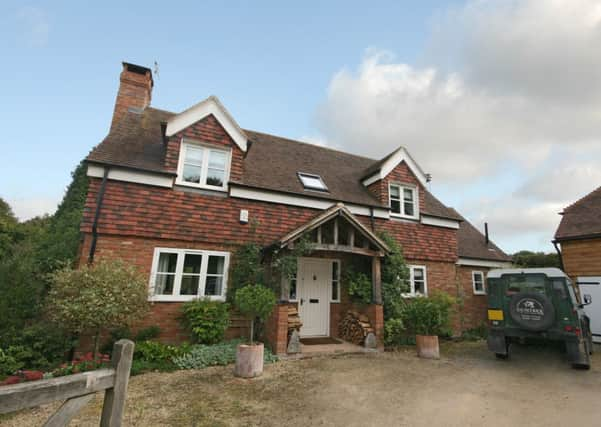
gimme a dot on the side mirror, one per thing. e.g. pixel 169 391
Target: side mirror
pixel 587 299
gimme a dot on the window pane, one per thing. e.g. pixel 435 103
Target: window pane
pixel 167 263
pixel 192 173
pixel 409 209
pixel 194 155
pixel 419 287
pixel 293 288
pixel 335 270
pixel 395 206
pixel 189 285
pixel 164 284
pixel 394 192
pixel 192 264
pixel 408 194
pixel 217 160
pixel 314 182
pixel 213 285
pixel 335 273
pixel 215 264
pixel 418 273
pixel 215 177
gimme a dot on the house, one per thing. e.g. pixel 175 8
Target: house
pixel 177 193
pixel 579 237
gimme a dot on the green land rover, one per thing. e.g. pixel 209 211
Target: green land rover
pixel 537 303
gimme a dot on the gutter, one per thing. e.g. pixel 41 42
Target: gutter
pixel 99 199
pixel 555 242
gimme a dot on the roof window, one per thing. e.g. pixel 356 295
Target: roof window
pixel 312 182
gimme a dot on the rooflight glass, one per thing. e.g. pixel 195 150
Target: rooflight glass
pixel 312 182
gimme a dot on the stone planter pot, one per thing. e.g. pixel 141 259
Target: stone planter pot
pixel 249 360
pixel 427 346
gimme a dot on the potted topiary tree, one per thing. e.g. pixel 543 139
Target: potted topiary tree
pixel 254 302
pixel 427 318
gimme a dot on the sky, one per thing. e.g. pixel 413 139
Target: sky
pixel 500 101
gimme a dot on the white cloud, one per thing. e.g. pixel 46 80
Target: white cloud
pixel 506 84
pixel 27 208
pixel 34 25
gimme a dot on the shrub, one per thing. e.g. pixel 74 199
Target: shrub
pixel 84 363
pixel 202 356
pixel 9 364
pixel 255 301
pixel 359 287
pixel 474 334
pixel 149 333
pixel 394 332
pixel 246 268
pixel 108 294
pixel 428 315
pixel 152 351
pixel 395 278
pixel 207 320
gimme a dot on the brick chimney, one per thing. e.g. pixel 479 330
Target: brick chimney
pixel 135 91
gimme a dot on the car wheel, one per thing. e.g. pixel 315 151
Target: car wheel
pixel 586 362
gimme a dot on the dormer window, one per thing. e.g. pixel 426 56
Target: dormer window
pixel 203 166
pixel 312 182
pixel 403 201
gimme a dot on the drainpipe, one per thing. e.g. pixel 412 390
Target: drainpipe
pixel 559 254
pixel 99 199
pixel 371 218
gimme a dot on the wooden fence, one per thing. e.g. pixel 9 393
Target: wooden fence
pixel 76 390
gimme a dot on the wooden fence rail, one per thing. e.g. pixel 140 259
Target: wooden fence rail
pixel 77 390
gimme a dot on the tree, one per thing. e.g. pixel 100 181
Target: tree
pixel 529 259
pixel 395 277
pixel 106 295
pixel 8 228
pixel 255 302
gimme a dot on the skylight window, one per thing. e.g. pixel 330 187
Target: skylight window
pixel 312 182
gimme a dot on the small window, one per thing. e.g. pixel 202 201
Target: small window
pixel 335 281
pixel 202 166
pixel 478 283
pixel 418 283
pixel 403 201
pixel 312 182
pixel 183 275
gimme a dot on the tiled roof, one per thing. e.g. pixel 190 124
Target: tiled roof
pixel 472 244
pixel 271 162
pixel 582 218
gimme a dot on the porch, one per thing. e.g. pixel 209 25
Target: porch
pixel 315 302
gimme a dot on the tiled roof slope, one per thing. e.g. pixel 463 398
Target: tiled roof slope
pixel 582 218
pixel 472 244
pixel 271 162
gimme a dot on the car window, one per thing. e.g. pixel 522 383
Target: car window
pixel 526 284
pixel 560 289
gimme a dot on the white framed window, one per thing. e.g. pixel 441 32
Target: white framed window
pixel 403 200
pixel 478 283
pixel 335 296
pixel 418 281
pixel 312 182
pixel 203 166
pixel 292 288
pixel 186 274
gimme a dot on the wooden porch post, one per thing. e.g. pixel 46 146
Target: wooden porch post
pixel 376 280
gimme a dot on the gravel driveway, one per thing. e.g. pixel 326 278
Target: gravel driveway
pixel 467 387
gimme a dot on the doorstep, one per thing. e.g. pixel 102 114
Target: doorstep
pixel 308 351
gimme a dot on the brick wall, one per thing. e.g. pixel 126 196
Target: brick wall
pixel 401 174
pixel 135 90
pixel 473 312
pixel 582 257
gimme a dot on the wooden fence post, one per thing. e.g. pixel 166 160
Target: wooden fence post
pixel 114 398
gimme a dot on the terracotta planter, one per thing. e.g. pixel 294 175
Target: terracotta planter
pixel 427 346
pixel 249 360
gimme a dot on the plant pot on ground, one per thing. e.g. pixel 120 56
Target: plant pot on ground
pixel 428 317
pixel 254 302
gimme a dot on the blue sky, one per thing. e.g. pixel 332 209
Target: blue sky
pixel 305 70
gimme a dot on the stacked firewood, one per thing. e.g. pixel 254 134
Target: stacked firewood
pixel 294 321
pixel 354 327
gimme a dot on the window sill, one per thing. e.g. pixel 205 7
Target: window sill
pixel 182 298
pixel 414 295
pixel 479 293
pixel 201 187
pixel 399 216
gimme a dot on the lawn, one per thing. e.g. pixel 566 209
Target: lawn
pixel 468 386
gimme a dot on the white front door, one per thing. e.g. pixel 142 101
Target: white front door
pixel 313 282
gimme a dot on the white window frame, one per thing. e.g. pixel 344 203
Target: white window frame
pixel 411 293
pixel 335 261
pixel 402 187
pixel 289 284
pixel 205 165
pixel 477 292
pixel 312 187
pixel 181 253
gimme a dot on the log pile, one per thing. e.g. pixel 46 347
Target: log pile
pixel 294 321
pixel 354 327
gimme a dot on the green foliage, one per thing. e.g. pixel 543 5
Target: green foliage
pixel 285 260
pixel 475 334
pixel 255 301
pixel 359 287
pixel 395 278
pixel 108 294
pixel 149 333
pixel 207 320
pixel 155 356
pixel 394 332
pixel 428 315
pixel 8 229
pixel 529 259
pixel 202 356
pixel 10 361
pixel 246 268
